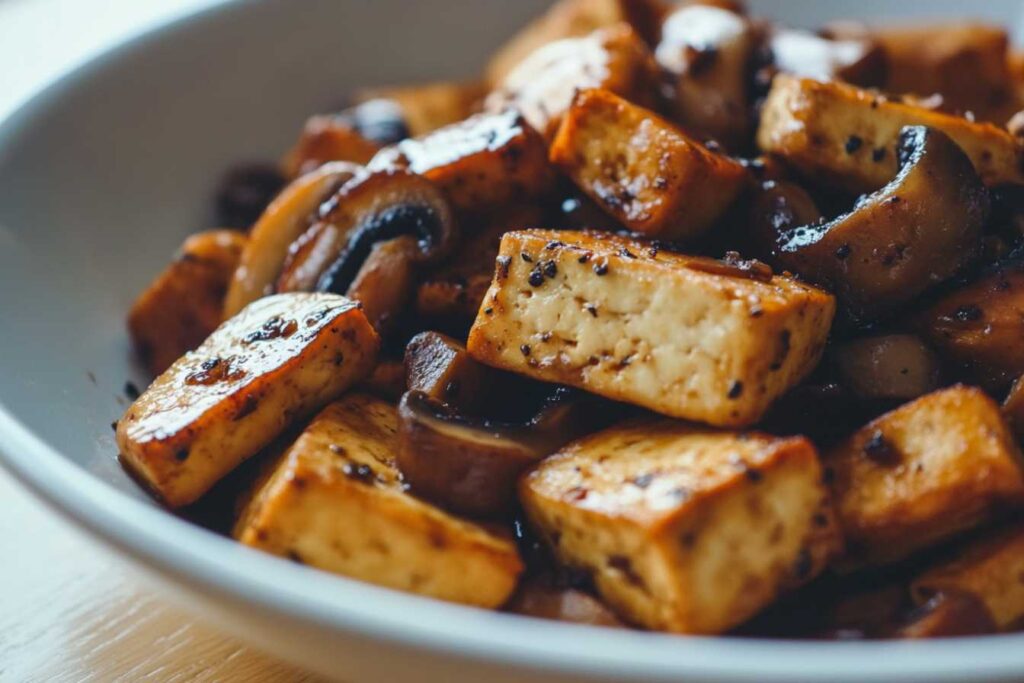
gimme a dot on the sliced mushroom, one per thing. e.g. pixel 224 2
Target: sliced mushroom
pixel 920 229
pixel 469 464
pixel 282 223
pixel 373 236
pixel 894 366
pixel 442 369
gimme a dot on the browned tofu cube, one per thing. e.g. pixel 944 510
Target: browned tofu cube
pixel 965 63
pixel 684 530
pixel 183 305
pixel 571 19
pixel 543 85
pixel 426 107
pixel 642 170
pixel 685 336
pixel 847 136
pixel 990 569
pixel 336 501
pixel 486 160
pixel 282 357
pixel 923 473
pixel 979 325
pixel 327 138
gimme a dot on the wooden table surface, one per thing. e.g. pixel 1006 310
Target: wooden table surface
pixel 70 609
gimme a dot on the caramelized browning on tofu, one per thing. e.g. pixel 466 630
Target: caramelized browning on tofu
pixel 336 501
pixel 924 472
pixel 280 358
pixel 543 85
pixel 682 529
pixel 833 131
pixel 989 569
pixel 486 160
pixel 642 170
pixel 571 19
pixel 179 309
pixel 689 337
pixel 327 138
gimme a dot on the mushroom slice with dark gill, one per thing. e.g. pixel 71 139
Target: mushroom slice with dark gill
pixel 469 464
pixel 920 229
pixel 372 238
pixel 466 431
pixel 282 223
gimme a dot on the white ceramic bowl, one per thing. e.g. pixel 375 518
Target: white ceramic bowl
pixel 102 175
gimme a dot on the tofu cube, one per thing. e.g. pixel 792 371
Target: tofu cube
pixel 543 85
pixel 686 336
pixel 848 136
pixel 327 138
pixel 486 160
pixel 281 357
pixel 684 530
pixel 572 19
pixel 336 501
pixel 643 170
pixel 990 569
pixel 184 304
pixel 922 473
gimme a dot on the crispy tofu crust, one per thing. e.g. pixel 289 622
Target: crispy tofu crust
pixel 810 124
pixel 486 160
pixel 323 139
pixel 990 569
pixel 684 530
pixel 429 106
pixel 336 502
pixel 184 304
pixel 543 85
pixel 924 472
pixel 571 19
pixel 642 170
pixel 685 336
pixel 281 357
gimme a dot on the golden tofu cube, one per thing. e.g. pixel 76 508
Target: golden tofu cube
pixel 848 136
pixel 486 160
pixel 336 501
pixel 327 138
pixel 990 569
pixel 571 19
pixel 543 85
pixel 184 304
pixel 923 473
pixel 426 107
pixel 686 336
pixel 965 63
pixel 282 357
pixel 643 170
pixel 684 530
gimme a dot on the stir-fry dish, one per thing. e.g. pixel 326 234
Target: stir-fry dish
pixel 675 319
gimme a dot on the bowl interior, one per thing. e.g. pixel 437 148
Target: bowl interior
pixel 104 173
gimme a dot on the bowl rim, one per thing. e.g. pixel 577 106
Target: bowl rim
pixel 201 560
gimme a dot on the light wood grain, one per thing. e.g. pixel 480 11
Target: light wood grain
pixel 71 610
